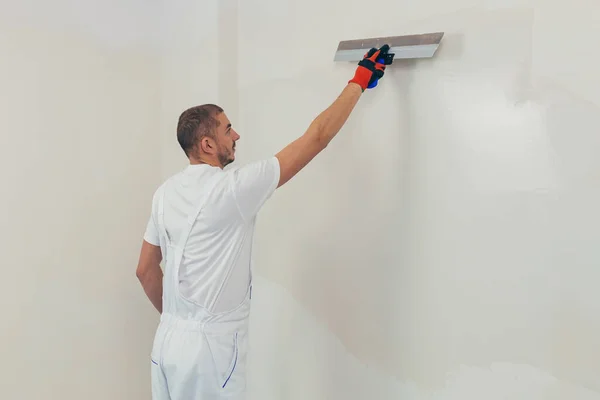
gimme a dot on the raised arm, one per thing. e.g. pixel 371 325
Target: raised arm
pixel 328 123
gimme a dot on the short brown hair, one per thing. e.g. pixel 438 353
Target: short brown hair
pixel 195 123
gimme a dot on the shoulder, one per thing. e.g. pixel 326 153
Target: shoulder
pixel 272 161
pixel 159 192
pixel 267 168
pixel 252 184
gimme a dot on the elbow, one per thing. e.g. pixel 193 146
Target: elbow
pixel 319 138
pixel 149 261
pixel 322 142
pixel 140 274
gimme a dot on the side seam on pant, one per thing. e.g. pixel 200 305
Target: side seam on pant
pixel 160 389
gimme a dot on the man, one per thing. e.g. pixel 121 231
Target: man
pixel 202 223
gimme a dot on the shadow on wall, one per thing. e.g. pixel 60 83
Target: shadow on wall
pixel 294 356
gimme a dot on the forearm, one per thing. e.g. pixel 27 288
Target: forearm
pixel 296 155
pixel 152 281
pixel 330 121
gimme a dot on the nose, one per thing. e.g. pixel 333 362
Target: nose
pixel 236 136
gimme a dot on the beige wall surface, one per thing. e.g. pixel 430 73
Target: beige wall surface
pixel 444 244
pixel 79 159
pixel 441 248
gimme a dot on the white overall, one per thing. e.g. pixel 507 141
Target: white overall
pixel 196 355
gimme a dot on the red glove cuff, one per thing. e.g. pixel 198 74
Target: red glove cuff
pixel 362 76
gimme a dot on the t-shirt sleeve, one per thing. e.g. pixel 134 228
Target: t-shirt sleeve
pixel 253 184
pixel 151 235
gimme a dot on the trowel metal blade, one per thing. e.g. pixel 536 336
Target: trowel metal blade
pixel 408 46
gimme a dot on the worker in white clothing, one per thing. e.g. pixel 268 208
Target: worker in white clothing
pixel 202 226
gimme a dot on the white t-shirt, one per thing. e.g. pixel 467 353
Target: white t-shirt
pixel 216 267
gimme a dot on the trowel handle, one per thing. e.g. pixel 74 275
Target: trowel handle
pixel 374 83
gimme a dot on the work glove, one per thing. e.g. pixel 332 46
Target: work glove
pixel 372 67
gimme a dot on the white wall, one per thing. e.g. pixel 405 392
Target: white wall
pixel 189 69
pixel 79 159
pixel 443 246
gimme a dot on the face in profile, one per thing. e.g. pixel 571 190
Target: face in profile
pixel 226 140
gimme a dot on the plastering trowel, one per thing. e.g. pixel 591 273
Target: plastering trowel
pixel 408 46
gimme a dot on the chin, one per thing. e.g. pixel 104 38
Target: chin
pixel 228 161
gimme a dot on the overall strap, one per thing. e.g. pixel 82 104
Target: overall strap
pixel 160 217
pixel 166 249
pixel 175 253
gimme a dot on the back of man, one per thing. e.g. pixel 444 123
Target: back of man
pixel 202 227
pixel 211 288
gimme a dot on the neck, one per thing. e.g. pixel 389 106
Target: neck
pixel 202 160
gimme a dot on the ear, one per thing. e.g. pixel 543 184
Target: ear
pixel 207 145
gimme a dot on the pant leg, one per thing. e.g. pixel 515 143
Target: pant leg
pixel 203 367
pixel 160 389
pixel 158 378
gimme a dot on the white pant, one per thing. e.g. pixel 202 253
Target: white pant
pixel 188 362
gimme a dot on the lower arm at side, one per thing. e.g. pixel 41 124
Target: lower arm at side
pixel 151 281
